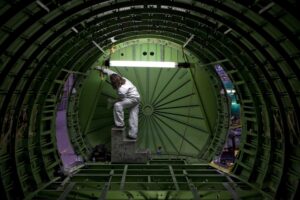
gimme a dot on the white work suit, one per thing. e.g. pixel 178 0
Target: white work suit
pixel 129 98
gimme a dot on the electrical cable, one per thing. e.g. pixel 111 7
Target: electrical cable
pixel 186 59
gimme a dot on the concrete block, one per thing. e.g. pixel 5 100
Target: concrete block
pixel 116 144
pixel 123 150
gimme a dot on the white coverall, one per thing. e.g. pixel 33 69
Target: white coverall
pixel 129 98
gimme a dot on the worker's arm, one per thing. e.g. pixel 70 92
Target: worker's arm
pixel 108 72
pixel 105 71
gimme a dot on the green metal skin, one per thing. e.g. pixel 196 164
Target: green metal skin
pixel 258 39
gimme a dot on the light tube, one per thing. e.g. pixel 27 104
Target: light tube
pixel 123 63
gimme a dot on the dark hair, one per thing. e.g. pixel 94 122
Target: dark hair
pixel 116 81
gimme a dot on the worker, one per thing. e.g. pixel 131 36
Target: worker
pixel 128 97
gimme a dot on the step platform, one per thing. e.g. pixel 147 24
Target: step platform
pixel 124 150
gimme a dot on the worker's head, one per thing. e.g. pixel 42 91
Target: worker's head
pixel 116 81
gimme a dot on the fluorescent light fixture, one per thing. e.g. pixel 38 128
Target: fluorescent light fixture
pixel 123 63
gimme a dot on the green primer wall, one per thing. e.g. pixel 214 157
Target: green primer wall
pixel 176 111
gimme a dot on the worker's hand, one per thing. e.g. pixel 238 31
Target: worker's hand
pixel 101 72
